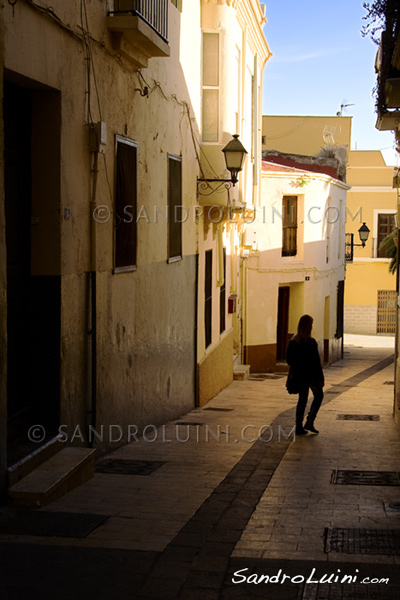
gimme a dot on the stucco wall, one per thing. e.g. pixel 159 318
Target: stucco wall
pixel 312 275
pixel 215 371
pixel 145 318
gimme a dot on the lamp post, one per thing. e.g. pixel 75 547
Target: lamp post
pixel 235 154
pixel 363 232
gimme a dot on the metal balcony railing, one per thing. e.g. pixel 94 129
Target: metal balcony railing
pixel 154 12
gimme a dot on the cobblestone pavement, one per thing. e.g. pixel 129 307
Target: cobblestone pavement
pixel 236 493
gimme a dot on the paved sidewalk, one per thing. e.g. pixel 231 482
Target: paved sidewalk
pixel 224 501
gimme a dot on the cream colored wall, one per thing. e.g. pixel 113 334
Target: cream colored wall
pixel 267 270
pixel 240 27
pixel 305 135
pixel 146 318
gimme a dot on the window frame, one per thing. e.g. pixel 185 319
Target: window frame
pixel 375 235
pixel 208 298
pixel 178 257
pixel 120 139
pixel 285 252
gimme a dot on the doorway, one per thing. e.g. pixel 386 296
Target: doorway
pixel 283 323
pixel 33 292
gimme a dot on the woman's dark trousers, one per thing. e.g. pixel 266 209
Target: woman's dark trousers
pixel 302 403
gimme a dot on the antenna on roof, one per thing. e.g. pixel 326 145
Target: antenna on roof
pixel 342 106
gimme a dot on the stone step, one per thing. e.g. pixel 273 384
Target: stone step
pixel 241 372
pixel 34 459
pixel 61 473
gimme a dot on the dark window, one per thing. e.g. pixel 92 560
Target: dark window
pixel 339 309
pixel 289 225
pixel 386 224
pixel 208 297
pixel 125 204
pixel 222 300
pixel 174 208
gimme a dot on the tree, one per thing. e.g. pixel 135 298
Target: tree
pixel 389 246
pixel 383 27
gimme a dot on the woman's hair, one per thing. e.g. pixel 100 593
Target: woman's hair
pixel 304 328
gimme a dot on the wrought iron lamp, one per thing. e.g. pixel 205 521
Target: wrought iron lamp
pixel 363 232
pixel 235 154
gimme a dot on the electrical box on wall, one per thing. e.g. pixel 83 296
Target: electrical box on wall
pixel 98 137
pixel 232 304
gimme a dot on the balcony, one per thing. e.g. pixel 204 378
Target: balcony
pixel 139 29
pixel 388 69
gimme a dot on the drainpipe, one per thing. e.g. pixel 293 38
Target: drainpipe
pixel 93 282
pixel 220 244
pixel 196 333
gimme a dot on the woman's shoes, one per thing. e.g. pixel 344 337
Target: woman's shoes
pixel 310 427
pixel 301 431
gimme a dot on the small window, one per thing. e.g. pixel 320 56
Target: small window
pixel 125 204
pixel 210 111
pixel 289 226
pixel 386 224
pixel 174 208
pixel 208 297
pixel 222 299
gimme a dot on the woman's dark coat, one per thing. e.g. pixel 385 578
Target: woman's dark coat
pixel 303 358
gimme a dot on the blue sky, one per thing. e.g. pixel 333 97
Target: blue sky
pixel 320 61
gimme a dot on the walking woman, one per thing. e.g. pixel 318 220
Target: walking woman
pixel 303 357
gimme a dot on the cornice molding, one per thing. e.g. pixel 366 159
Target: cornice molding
pixel 233 3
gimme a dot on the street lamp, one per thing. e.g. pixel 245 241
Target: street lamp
pixel 235 154
pixel 363 232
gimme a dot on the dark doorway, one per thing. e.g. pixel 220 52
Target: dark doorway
pixel 33 297
pixel 283 323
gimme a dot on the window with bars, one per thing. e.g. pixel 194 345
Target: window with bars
pixel 125 241
pixel 289 226
pixel 386 314
pixel 174 208
pixel 386 224
pixel 208 297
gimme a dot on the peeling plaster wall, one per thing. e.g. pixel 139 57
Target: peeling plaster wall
pixel 145 319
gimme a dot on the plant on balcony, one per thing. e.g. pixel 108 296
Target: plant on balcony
pixel 383 27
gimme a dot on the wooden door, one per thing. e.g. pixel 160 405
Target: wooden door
pixel 283 323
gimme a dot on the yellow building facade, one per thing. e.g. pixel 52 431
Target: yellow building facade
pixel 370 303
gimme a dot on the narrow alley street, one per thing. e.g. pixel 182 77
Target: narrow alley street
pixel 225 495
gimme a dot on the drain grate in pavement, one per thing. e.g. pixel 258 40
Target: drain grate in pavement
pixel 49 523
pixel 116 466
pixel 388 383
pixel 392 507
pixel 219 409
pixel 362 541
pixel 264 376
pixel 358 417
pixel 389 478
